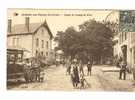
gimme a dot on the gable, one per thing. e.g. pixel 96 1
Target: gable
pixel 46 28
pixel 20 29
pixel 42 32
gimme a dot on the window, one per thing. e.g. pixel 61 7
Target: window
pixel 15 42
pixel 42 43
pixel 37 42
pixel 47 44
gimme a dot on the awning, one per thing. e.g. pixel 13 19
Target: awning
pixel 17 48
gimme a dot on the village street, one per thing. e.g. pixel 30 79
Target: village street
pixel 57 80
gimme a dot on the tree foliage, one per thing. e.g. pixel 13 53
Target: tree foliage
pixel 93 39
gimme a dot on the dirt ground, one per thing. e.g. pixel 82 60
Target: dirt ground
pixel 56 79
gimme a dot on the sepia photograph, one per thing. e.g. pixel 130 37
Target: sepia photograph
pixel 70 50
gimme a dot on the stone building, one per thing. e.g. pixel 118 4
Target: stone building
pixel 36 38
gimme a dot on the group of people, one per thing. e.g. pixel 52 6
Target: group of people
pixel 33 70
pixel 76 70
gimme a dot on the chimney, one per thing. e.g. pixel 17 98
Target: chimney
pixel 9 25
pixel 27 22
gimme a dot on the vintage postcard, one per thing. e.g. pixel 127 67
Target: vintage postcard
pixel 70 49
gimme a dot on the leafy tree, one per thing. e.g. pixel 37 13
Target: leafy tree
pixel 93 39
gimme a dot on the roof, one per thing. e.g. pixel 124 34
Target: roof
pixel 21 29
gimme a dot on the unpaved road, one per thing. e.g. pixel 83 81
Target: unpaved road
pixel 57 80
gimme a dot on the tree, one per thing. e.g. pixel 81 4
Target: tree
pixel 66 41
pixel 93 39
pixel 99 38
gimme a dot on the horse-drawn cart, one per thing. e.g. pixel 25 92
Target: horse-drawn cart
pixel 16 67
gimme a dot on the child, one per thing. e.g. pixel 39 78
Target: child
pixel 89 67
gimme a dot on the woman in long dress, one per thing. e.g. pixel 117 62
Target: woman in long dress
pixel 75 75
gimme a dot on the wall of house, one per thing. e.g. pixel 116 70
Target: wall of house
pixel 130 42
pixel 21 41
pixel 44 42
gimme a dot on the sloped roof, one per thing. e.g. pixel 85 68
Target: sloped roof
pixel 21 29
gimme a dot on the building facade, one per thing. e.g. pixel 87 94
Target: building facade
pixel 127 47
pixel 35 38
pixel 132 48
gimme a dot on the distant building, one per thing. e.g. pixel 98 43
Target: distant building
pixel 36 38
pixel 126 47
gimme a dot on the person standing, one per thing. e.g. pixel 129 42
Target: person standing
pixel 26 70
pixel 81 67
pixel 89 67
pixel 35 70
pixel 123 69
pixel 68 66
pixel 75 75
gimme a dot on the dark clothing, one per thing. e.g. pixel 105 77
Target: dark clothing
pixel 26 71
pixel 89 67
pixel 72 79
pixel 123 71
pixel 75 76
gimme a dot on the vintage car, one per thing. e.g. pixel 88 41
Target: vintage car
pixel 15 65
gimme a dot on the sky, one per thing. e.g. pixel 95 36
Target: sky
pixel 59 19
